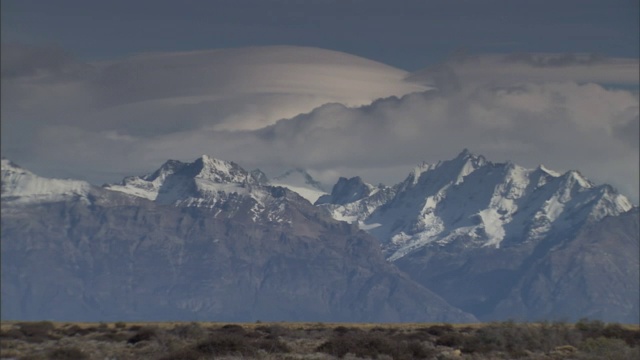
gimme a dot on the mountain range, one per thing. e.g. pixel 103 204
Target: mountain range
pixel 501 241
pixel 457 241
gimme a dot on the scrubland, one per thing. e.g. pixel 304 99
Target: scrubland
pixel 206 340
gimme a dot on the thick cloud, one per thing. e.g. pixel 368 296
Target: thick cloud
pixel 129 116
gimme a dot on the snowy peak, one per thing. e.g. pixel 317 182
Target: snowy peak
pixel 10 166
pixel 544 169
pixel 461 166
pixel 221 171
pixel 301 182
pixel 574 177
pixel 22 186
pixel 176 180
pixel 204 167
pixel 450 171
pixel 346 191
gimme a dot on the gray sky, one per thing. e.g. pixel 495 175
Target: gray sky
pixel 409 34
pixel 99 89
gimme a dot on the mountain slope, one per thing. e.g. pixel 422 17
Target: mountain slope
pixel 594 275
pixel 213 245
pixel 475 232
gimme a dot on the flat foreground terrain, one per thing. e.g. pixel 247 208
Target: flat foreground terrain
pixel 191 341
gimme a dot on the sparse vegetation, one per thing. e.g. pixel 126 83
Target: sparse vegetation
pixel 584 340
pixel 67 353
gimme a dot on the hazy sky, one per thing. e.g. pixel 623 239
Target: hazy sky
pixel 99 89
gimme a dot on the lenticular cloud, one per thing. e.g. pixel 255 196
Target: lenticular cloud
pixel 245 88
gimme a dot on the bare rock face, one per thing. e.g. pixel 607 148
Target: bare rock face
pixel 596 274
pixel 346 191
pixel 217 246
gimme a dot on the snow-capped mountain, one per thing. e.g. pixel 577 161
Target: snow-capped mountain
pixel 494 240
pixel 193 241
pixel 22 186
pixel 501 241
pixel 212 183
pixel 481 203
pixel 301 182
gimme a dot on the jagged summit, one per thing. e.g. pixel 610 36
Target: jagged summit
pixel 346 191
pixel 205 167
pixel 457 168
pixel 176 180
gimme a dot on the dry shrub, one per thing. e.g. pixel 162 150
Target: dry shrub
pixel 517 339
pixel 225 344
pixel 189 331
pixel 231 329
pixel 120 325
pixel 452 340
pixel 616 331
pixel 113 336
pixel 409 335
pixel 37 331
pixel 273 331
pixel 606 348
pixel 373 345
pixel 12 334
pixel 438 330
pixel 74 330
pixel 67 353
pixel 238 345
pixel 378 329
pixel 272 345
pixel 590 328
pixel 33 357
pixel 145 333
pixel 183 354
pixel 342 330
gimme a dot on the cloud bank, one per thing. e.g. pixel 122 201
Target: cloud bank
pixel 101 121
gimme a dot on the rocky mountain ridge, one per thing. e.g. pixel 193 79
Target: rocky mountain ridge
pixel 193 241
pixel 207 239
pixel 490 204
